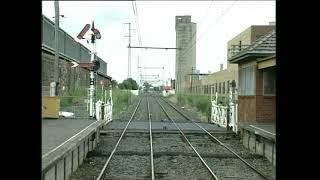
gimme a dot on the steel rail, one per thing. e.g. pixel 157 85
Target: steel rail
pixel 217 140
pixel 199 156
pixel 150 136
pixel 102 173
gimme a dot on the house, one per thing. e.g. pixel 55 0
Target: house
pixel 257 95
pixel 220 80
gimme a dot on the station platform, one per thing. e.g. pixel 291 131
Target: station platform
pixel 260 138
pixel 65 143
pixel 266 130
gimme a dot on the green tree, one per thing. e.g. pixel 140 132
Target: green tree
pixel 114 83
pixel 129 84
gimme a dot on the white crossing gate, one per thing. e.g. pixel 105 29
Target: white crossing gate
pixel 220 113
pixel 104 108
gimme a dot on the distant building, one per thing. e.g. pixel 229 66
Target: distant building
pixel 186 56
pixel 220 81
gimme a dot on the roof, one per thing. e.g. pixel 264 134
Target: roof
pixel 262 47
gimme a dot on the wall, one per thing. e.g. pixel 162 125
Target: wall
pixel 203 86
pixel 260 145
pixel 246 108
pixel 257 108
pixel 68 47
pixel 266 105
pixel 70 78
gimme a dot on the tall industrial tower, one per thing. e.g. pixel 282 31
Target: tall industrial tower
pixel 186 56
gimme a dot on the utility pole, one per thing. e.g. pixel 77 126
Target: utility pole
pixel 129 51
pixel 192 72
pixel 54 85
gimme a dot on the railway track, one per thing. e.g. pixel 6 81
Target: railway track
pixel 212 137
pixel 164 155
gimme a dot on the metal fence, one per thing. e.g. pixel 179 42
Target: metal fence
pixel 77 105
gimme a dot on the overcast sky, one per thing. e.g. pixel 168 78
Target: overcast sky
pixel 217 23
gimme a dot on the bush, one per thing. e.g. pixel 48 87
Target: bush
pixel 121 100
pixel 200 102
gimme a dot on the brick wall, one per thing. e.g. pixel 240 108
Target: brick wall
pixel 258 108
pixel 265 104
pixel 70 78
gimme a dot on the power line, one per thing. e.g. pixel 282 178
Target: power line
pixel 201 35
pixel 203 17
pixel 135 11
pixel 136 16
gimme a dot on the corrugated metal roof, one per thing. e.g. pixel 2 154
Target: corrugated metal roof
pixel 264 46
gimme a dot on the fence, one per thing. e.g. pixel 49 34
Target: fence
pixel 77 106
pixel 75 103
pixel 225 116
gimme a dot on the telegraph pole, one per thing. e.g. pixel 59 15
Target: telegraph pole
pixel 129 51
pixel 54 85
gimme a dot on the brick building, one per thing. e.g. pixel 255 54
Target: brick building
pixel 220 81
pixel 257 95
pixel 69 51
pixel 257 80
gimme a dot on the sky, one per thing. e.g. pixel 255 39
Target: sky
pixel 217 23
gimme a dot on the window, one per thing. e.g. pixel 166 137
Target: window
pixel 269 82
pixel 224 88
pixel 216 88
pixel 219 88
pixel 228 86
pixel 247 80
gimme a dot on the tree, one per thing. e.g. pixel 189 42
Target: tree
pixel 129 83
pixel 114 83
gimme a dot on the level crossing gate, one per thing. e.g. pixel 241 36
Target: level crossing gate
pixel 225 115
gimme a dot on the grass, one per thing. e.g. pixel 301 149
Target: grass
pixel 121 100
pixel 200 102
pixel 76 97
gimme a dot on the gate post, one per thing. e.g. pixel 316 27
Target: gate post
pixel 228 117
pixel 233 104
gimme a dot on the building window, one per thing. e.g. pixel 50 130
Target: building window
pixel 219 88
pixel 216 87
pixel 228 86
pixel 269 82
pixel 224 88
pixel 247 81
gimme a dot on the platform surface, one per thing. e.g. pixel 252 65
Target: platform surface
pixel 56 131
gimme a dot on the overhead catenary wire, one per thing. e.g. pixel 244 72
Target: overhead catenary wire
pixel 201 35
pixel 136 17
